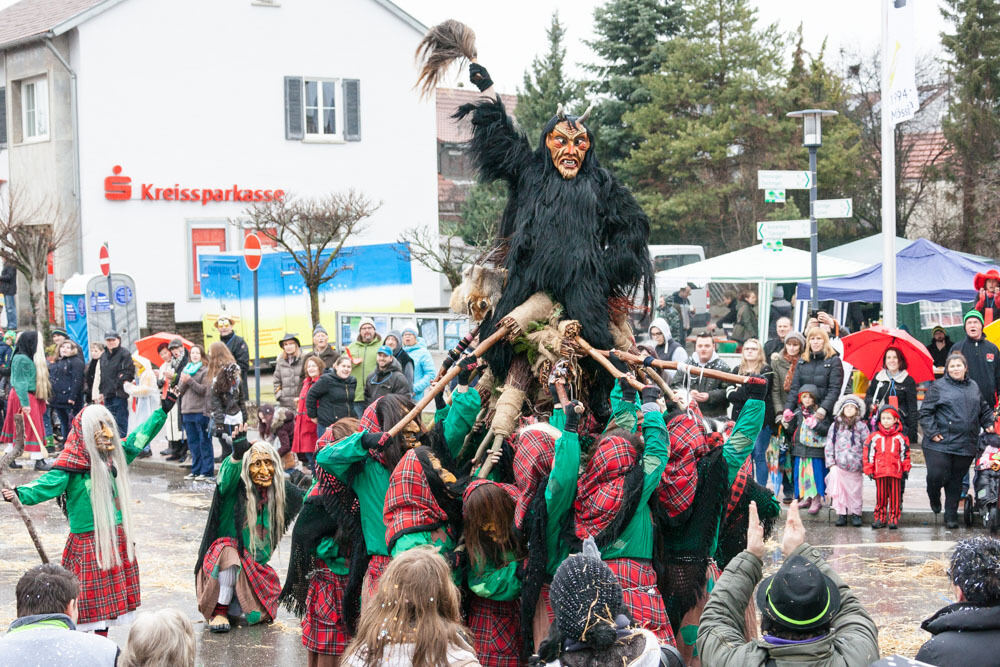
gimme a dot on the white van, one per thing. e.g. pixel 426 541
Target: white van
pixel 666 257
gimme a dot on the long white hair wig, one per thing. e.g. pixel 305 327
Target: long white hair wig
pixel 275 498
pixel 105 486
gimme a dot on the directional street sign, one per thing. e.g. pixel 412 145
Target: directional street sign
pixel 833 208
pixel 774 196
pixel 783 229
pixel 784 180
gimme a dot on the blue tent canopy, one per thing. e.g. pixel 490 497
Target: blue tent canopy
pixel 924 272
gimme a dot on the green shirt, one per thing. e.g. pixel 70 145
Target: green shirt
pixel 371 485
pixel 77 485
pixel 496 583
pixel 22 377
pixel 329 551
pixel 636 540
pixel 367 353
pixel 559 494
pixel 460 419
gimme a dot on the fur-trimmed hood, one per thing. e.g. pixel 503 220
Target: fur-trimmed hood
pixel 844 400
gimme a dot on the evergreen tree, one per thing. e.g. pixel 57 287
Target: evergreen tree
pixel 972 125
pixel 629 32
pixel 545 85
pixel 712 121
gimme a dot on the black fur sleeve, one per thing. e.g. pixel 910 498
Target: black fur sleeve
pixel 498 148
pixel 626 239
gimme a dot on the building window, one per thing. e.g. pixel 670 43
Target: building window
pixel 35 109
pixel 944 313
pixel 321 107
pixel 204 238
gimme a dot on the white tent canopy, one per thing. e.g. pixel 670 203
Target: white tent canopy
pixel 765 267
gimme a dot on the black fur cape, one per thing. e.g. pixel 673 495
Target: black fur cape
pixel 582 240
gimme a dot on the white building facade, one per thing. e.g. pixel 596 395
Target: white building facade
pixel 157 123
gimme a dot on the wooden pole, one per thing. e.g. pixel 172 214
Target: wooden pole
pixel 443 382
pixel 16 502
pixel 602 358
pixel 696 371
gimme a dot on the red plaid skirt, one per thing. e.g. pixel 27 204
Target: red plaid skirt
pixel 104 594
pixel 323 628
pixel 263 579
pixel 642 597
pixel 376 568
pixel 496 631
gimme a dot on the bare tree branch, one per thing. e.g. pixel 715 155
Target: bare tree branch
pixel 312 231
pixel 31 229
pixel 439 253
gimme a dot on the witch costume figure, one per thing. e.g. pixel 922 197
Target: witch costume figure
pixel 90 481
pixel 253 504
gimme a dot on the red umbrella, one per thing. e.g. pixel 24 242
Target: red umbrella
pixel 148 346
pixel 866 349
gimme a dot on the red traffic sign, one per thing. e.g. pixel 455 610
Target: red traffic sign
pixel 251 251
pixel 105 261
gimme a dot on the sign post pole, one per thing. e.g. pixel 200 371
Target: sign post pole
pixel 813 235
pixel 105 262
pixel 251 255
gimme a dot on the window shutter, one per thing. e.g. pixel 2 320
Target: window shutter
pixel 3 116
pixel 293 107
pixel 352 110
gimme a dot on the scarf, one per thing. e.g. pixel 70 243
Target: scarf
pixel 421 497
pixel 74 456
pixel 606 490
pixel 793 361
pixel 192 367
pixel 533 459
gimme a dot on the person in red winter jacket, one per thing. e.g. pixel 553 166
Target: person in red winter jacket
pixel 887 459
pixel 988 286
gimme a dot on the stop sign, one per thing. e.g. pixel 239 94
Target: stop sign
pixel 105 261
pixel 251 251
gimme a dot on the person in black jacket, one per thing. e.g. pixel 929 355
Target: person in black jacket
pixel 394 340
pixel 238 348
pixel 981 356
pixel 951 415
pixel 893 384
pixel 66 376
pixel 387 378
pixel 968 631
pixel 939 347
pixel 332 397
pixel 116 369
pixel 820 366
pixel 8 287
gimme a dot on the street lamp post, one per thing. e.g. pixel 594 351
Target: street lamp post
pixel 812 138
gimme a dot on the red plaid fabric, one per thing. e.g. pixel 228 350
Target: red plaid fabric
pixel 409 502
pixel 739 485
pixel 533 456
pixel 369 422
pixel 74 456
pixel 496 631
pixel 104 594
pixel 323 629
pixel 680 477
pixel 601 489
pixel 263 579
pixel 642 597
pixel 476 483
pixel 548 603
pixel 376 568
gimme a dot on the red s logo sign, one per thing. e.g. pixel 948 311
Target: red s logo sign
pixel 116 187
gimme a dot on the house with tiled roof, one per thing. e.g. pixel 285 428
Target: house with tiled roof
pixel 127 113
pixel 455 172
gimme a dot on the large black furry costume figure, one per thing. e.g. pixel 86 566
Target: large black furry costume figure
pixel 582 240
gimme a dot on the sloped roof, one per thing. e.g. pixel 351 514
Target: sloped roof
pixel 32 19
pixel 451 131
pixel 925 149
pixel 29 20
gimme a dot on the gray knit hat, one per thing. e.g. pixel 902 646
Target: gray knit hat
pixel 844 400
pixel 585 594
pixel 795 335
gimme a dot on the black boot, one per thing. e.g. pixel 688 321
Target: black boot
pixel 175 450
pixel 183 453
pixel 950 520
pixel 841 520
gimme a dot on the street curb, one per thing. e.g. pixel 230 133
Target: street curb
pixel 907 518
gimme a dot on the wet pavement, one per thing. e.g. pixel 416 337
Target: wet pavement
pixel 899 575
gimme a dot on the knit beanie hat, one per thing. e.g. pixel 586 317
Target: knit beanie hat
pixel 976 314
pixel 795 335
pixel 319 329
pixel 586 598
